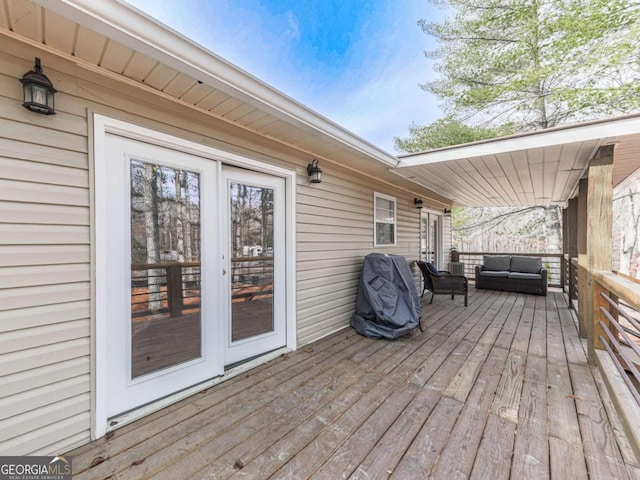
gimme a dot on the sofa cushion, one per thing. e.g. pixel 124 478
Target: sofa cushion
pixel 526 264
pixel 527 276
pixel 434 270
pixel 496 262
pixel 494 273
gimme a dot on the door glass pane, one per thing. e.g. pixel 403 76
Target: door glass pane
pixel 165 267
pixel 252 262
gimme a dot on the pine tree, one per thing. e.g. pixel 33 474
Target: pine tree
pixel 537 63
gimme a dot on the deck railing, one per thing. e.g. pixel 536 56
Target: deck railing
pixel 174 287
pixel 170 287
pixel 553 262
pixel 570 282
pixel 251 277
pixel 614 341
pixel 620 335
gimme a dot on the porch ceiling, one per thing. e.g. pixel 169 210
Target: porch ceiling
pixel 537 168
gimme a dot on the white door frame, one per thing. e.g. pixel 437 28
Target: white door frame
pixel 103 125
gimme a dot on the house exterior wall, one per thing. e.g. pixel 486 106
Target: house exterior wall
pixel 45 240
pixel 45 291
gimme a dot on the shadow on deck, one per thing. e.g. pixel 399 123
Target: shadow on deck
pixel 500 389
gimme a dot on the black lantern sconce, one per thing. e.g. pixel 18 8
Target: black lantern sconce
pixel 314 172
pixel 447 212
pixel 38 91
pixel 418 203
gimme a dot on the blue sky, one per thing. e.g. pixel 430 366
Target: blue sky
pixel 358 63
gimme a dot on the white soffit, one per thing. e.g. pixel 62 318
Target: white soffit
pixel 536 168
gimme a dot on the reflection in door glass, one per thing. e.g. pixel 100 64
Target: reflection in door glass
pixel 165 267
pixel 251 260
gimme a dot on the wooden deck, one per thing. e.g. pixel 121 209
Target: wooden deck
pixel 500 389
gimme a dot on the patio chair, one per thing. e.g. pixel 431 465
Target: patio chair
pixel 442 282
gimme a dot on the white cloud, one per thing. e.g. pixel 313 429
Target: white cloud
pixel 294 26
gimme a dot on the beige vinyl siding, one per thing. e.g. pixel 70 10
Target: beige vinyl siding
pixel 44 275
pixel 335 231
pixel 45 254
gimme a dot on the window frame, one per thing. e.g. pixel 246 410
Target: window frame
pixel 394 223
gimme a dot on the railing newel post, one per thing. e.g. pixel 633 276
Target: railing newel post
pixel 174 289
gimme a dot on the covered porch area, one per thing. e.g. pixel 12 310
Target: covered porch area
pixel 575 167
pixel 499 389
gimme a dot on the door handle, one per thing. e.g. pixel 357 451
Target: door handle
pixel 224 271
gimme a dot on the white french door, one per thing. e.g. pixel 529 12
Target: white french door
pixel 254 263
pixel 161 283
pixel 430 238
pixel 192 274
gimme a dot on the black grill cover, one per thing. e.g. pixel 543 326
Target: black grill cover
pixel 387 304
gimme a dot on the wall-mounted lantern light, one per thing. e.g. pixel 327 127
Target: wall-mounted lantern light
pixel 447 212
pixel 38 91
pixel 418 203
pixel 314 172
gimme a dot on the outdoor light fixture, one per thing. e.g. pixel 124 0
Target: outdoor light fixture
pixel 38 91
pixel 418 203
pixel 314 172
pixel 447 212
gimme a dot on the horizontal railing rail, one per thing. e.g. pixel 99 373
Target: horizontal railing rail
pixel 553 262
pixel 616 307
pixel 617 338
pixel 168 287
pixel 252 277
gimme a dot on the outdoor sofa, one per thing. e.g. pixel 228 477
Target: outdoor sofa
pixel 512 274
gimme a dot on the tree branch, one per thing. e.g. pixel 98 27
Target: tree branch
pixel 503 216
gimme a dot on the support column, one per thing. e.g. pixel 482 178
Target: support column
pixel 599 233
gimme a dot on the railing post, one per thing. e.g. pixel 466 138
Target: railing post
pixel 571 284
pixel 599 209
pixel 174 289
pixel 584 299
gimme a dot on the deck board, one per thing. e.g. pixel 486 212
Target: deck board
pixel 499 389
pixel 531 448
pixel 493 458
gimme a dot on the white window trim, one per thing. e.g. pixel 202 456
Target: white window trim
pixel 377 195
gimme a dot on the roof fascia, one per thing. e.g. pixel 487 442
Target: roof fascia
pixel 611 127
pixel 138 31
